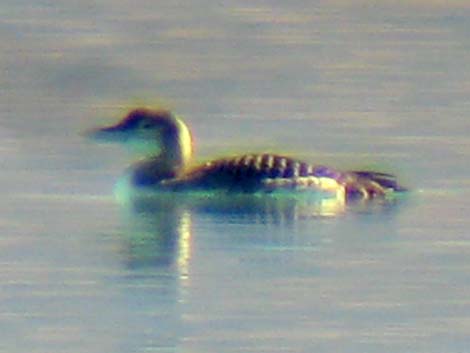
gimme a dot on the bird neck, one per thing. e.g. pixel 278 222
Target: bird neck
pixel 150 171
pixel 172 158
pixel 177 148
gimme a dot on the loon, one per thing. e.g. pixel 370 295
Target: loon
pixel 165 143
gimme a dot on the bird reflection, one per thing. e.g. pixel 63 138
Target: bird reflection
pixel 161 226
pixel 159 236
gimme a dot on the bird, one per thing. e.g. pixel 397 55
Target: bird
pixel 165 146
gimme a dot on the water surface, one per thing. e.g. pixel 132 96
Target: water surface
pixel 351 84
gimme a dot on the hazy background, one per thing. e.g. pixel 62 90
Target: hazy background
pixel 348 83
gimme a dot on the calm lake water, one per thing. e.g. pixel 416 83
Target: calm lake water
pixel 351 84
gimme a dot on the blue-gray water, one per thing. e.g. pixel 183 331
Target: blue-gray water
pixel 351 84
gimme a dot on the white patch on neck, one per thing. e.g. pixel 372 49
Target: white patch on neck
pixel 185 141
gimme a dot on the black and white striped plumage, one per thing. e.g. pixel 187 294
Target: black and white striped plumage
pixel 250 173
pixel 167 142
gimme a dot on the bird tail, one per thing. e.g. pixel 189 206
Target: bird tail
pixel 368 184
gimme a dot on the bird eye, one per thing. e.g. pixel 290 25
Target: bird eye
pixel 146 125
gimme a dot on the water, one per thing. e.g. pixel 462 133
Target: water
pixel 347 84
